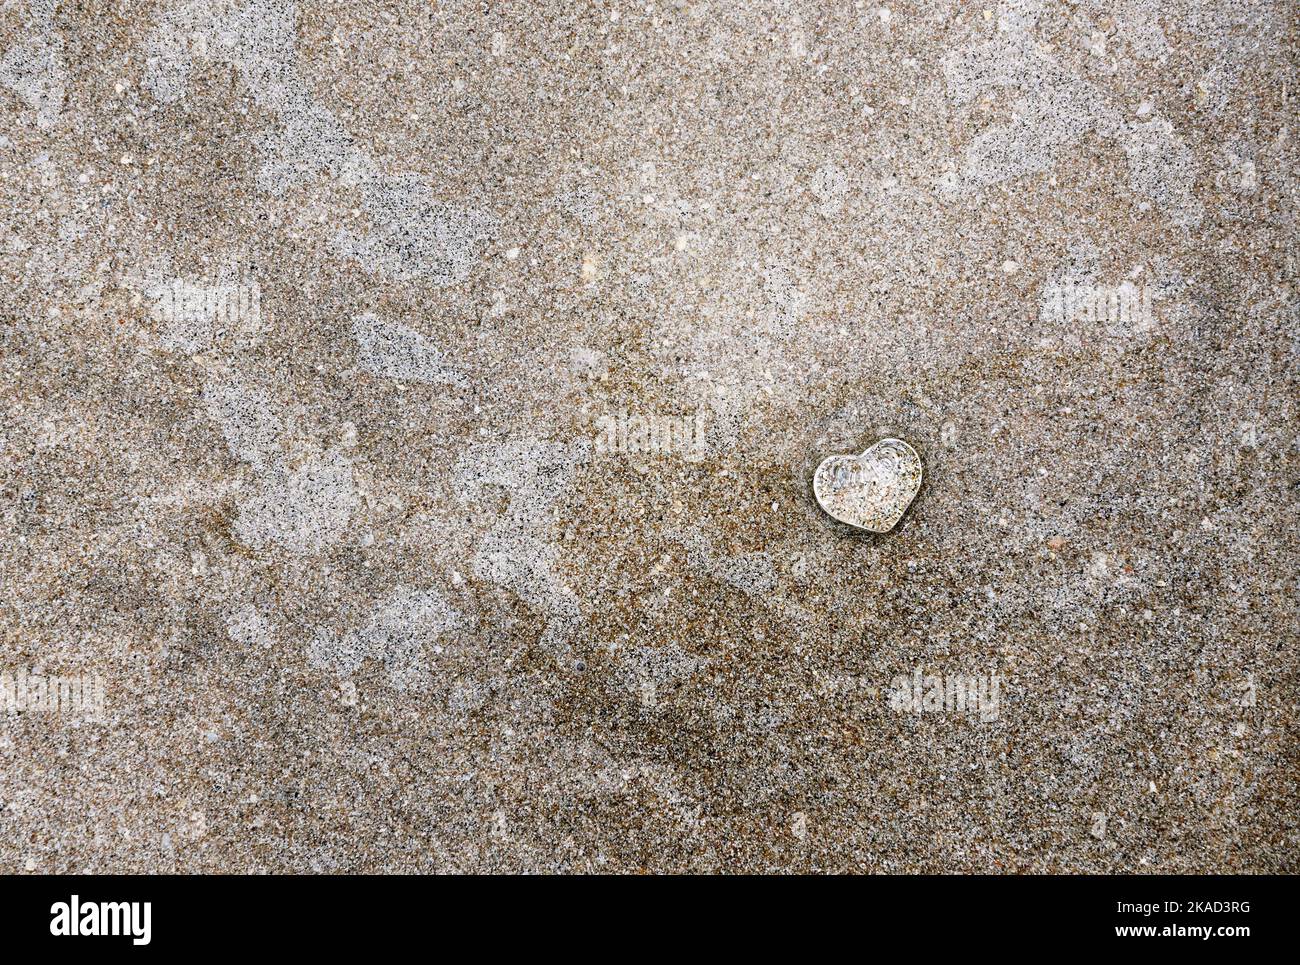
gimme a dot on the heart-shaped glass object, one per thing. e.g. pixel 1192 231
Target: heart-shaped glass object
pixel 870 491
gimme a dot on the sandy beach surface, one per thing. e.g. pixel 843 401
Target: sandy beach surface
pixel 409 413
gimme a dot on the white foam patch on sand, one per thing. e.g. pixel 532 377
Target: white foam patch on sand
pixel 1241 33
pixel 248 421
pixel 412 234
pixel 304 507
pixel 396 351
pixel 249 628
pixel 33 68
pixel 787 301
pixel 829 186
pixel 1054 110
pixel 517 552
pixel 1161 167
pixel 400 632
